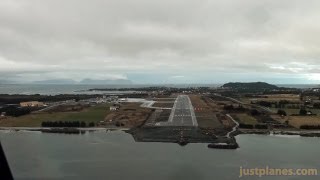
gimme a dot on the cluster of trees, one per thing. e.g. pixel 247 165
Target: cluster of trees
pixel 251 126
pixel 255 112
pixel 316 105
pixel 232 108
pixel 118 124
pixel 261 126
pixel 303 112
pixel 282 112
pixel 294 106
pixel 66 124
pixel 265 103
pixel 278 126
pixel 280 104
pixel 246 126
pixel 15 111
pixel 310 127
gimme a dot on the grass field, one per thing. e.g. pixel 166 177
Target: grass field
pixel 209 122
pixel 273 98
pixel 164 116
pixel 205 114
pixel 296 111
pixel 297 121
pixel 203 104
pixel 129 115
pixel 245 119
pixel 91 114
pixel 164 99
pixel 288 111
pixel 163 104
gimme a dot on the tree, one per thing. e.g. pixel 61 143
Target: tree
pixel 255 112
pixel 228 107
pixel 77 99
pixel 316 105
pixel 282 112
pixel 118 124
pixel 83 124
pixel 303 112
pixel 91 124
pixel 265 103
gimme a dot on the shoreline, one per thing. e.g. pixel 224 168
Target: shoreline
pixel 305 133
pixel 49 128
pixel 302 133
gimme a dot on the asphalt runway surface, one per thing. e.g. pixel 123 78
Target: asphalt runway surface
pixel 182 113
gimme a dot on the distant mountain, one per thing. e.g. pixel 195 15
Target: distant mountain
pixel 84 81
pixel 115 81
pixel 3 81
pixel 250 85
pixel 56 81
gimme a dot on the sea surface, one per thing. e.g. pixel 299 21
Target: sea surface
pixel 53 89
pixel 115 155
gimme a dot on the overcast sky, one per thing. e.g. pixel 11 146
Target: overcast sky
pixel 161 41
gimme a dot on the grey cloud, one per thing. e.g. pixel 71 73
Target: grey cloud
pixel 116 37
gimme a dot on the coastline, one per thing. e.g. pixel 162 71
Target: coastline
pixel 49 128
pixel 303 133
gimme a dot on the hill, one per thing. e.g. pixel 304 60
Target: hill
pixel 250 85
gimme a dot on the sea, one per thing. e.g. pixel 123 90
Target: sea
pixel 114 155
pixel 54 89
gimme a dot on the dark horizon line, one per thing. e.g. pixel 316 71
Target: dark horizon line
pixel 133 83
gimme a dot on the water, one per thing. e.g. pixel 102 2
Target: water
pixel 115 155
pixel 53 89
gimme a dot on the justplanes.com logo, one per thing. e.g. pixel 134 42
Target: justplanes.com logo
pixel 268 171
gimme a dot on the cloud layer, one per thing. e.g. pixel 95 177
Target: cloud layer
pixel 171 41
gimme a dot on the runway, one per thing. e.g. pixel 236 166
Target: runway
pixel 182 113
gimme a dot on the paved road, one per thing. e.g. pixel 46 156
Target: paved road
pixel 52 107
pixel 182 113
pixel 234 128
pixel 252 105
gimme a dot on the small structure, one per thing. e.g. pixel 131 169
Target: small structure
pixel 31 104
pixel 114 107
pixel 309 113
pixel 3 114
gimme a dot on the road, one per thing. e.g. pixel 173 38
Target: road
pixel 234 128
pixel 52 106
pixel 182 113
pixel 252 105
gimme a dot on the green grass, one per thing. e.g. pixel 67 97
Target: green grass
pixel 246 119
pixel 296 111
pixel 209 122
pixel 91 114
pixel 245 100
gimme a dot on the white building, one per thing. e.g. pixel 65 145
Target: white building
pixel 114 108
pixel 31 104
